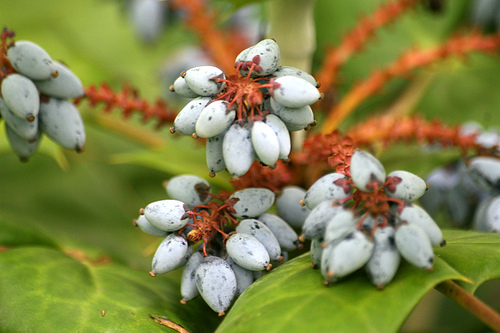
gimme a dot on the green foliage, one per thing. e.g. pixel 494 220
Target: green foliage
pixel 49 290
pixel 293 299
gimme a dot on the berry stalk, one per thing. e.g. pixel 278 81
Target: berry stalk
pixel 291 24
pixel 471 303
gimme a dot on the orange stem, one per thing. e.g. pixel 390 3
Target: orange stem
pixel 128 101
pixel 470 303
pixel 455 46
pixel 355 39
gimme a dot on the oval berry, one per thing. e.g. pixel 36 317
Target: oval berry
pixel 331 186
pixel 247 252
pixel 21 96
pixel 65 85
pixel 265 143
pixel 286 236
pixel 414 245
pixel 185 121
pixel 216 283
pixel 294 92
pixel 237 149
pixel 404 185
pixel 385 259
pixel 173 252
pixel 214 119
pixel 204 80
pixel 31 60
pixel 289 207
pixel 190 189
pixel 252 202
pixel 168 215
pixel 367 173
pixel 263 234
pixel 282 134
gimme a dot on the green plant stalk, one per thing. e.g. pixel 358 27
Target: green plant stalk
pixel 291 24
pixel 471 303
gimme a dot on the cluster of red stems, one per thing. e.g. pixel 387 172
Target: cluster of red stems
pixel 320 151
pixel 6 41
pixel 210 219
pixel 244 92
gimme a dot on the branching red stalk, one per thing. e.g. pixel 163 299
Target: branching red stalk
pixel 388 129
pixel 128 101
pixel 7 38
pixel 334 150
pixel 459 45
pixel 355 39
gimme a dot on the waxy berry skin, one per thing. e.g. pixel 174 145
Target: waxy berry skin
pixel 376 210
pixel 242 110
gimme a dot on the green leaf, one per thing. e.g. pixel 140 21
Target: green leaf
pixel 45 290
pixel 474 255
pixel 293 299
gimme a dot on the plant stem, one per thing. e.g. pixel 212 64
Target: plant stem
pixel 291 24
pixel 471 303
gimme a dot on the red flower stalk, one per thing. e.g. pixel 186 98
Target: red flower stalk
pixel 355 39
pixel 335 149
pixel 128 101
pixel 210 220
pixel 456 46
pixel 6 41
pixel 389 129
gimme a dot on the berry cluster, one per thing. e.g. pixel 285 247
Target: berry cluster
pixel 248 115
pixel 468 187
pixel 365 218
pixel 470 190
pixel 35 92
pixel 486 172
pixel 237 238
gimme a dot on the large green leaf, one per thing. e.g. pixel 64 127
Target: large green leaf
pixel 45 290
pixel 293 299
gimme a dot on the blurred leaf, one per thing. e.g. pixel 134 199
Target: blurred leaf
pixel 293 299
pixel 90 207
pixel 45 290
pixel 180 155
pixel 465 90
